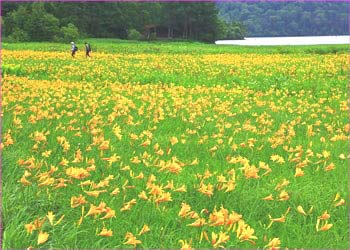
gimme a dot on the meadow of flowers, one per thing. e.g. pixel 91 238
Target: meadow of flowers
pixel 163 148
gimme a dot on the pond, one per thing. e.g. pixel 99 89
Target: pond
pixel 297 40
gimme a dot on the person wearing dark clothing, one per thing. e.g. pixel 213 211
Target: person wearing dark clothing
pixel 74 49
pixel 87 50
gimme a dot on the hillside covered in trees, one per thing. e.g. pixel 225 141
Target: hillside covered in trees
pixel 53 20
pixel 202 21
pixel 288 18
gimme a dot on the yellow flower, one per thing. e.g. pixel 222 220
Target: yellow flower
pixel 77 173
pixel 30 228
pixel 324 216
pixel 268 198
pixel 326 227
pixel 110 213
pixel 185 245
pixel 218 240
pixel 197 223
pixel 128 205
pixel 77 201
pixel 274 244
pixel 185 209
pixel 51 217
pixel 101 208
pixel 116 191
pixel 42 237
pixel 298 172
pixel 105 232
pixel 24 181
pixel 131 239
pixel 173 140
pixel 340 203
pixel 95 193
pixel 329 167
pixel 245 232
pixel 144 229
pixel 283 196
pixel 164 197
pixel 301 210
pixel 104 145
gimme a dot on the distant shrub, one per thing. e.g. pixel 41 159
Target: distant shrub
pixel 206 37
pixel 12 70
pixel 235 31
pixel 152 37
pixel 134 35
pixel 69 33
pixel 18 35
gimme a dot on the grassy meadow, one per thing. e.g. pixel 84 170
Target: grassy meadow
pixel 174 144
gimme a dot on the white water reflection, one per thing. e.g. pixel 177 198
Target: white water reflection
pixel 293 40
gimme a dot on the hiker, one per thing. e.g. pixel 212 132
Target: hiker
pixel 87 50
pixel 74 48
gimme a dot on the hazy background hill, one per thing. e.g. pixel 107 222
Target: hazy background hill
pixel 200 21
pixel 288 18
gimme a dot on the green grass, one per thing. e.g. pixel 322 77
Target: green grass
pixel 208 95
pixel 156 47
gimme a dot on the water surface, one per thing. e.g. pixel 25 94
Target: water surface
pixel 296 40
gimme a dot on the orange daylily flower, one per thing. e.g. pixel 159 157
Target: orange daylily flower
pixel 77 173
pixel 105 232
pixel 197 223
pixel 298 172
pixel 128 205
pixel 185 209
pixel 218 240
pixel 104 145
pixel 77 201
pixel 143 195
pixel 101 208
pixel 164 197
pixel 268 198
pixel 30 228
pixel 115 191
pixel 274 244
pixel 340 203
pixel 326 227
pixel 95 193
pixel 330 167
pixel 324 216
pixel 131 239
pixel 110 213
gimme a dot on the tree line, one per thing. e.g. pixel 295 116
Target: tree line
pixel 55 21
pixel 202 21
pixel 288 18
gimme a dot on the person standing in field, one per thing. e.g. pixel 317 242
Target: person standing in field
pixel 87 50
pixel 74 48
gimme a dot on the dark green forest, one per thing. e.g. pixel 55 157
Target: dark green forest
pixel 202 21
pixel 288 18
pixel 41 21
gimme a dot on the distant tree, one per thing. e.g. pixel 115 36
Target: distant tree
pixel 288 18
pixel 69 33
pixel 197 21
pixel 18 35
pixel 40 25
pixel 235 31
pixel 134 35
pixel 31 22
pixel 15 20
